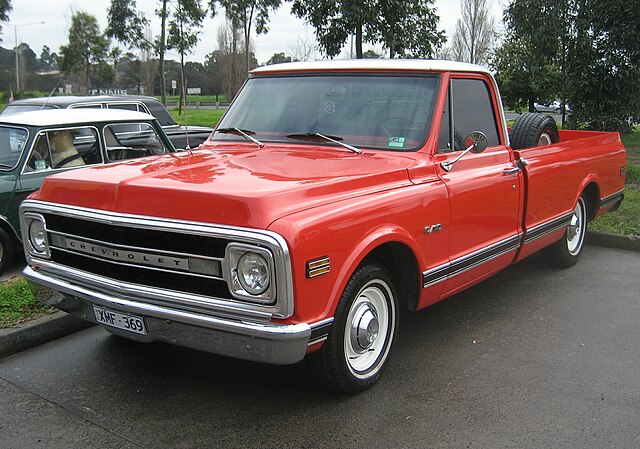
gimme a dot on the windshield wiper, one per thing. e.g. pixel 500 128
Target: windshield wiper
pixel 334 139
pixel 242 132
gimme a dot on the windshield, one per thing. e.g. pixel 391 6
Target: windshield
pixel 17 108
pixel 12 142
pixel 391 112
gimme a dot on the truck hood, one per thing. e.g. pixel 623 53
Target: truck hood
pixel 236 185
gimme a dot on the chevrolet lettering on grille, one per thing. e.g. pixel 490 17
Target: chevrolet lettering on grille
pixel 123 255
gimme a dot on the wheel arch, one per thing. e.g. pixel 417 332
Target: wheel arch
pixel 591 192
pixel 395 250
pixel 10 230
pixel 401 262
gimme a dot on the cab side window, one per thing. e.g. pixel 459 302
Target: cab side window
pixel 445 128
pixel 472 111
pixel 65 148
pixel 123 144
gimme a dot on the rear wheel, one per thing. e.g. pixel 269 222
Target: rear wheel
pixel 365 325
pixel 566 251
pixel 6 251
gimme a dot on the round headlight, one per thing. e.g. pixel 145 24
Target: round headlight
pixel 253 273
pixel 37 236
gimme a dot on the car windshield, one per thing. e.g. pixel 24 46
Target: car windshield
pixel 12 142
pixel 17 109
pixel 391 112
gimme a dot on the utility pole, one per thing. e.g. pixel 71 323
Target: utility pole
pixel 15 35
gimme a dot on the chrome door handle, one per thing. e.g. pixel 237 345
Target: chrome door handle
pixel 511 171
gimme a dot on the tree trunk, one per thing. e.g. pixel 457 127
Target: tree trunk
pixel 161 50
pixel 88 75
pixel 359 53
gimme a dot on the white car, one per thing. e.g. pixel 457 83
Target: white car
pixel 554 106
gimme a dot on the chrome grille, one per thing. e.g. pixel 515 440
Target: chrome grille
pixel 171 261
pixel 154 262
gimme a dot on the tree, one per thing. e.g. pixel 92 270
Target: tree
pixel 370 54
pixel 129 71
pixel 130 27
pixel 246 13
pixel 148 65
pixel 48 60
pixel 475 33
pixel 303 48
pixel 581 51
pixel 229 59
pixel 604 65
pixel 88 52
pixel 127 24
pixel 527 64
pixel 212 68
pixel 334 21
pixel 5 9
pixel 405 28
pixel 184 28
pixel 278 58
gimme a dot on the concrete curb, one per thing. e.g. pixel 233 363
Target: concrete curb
pixel 50 327
pixel 615 241
pixel 36 332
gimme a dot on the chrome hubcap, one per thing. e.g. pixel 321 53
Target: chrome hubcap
pixel 574 227
pixel 575 231
pixel 364 328
pixel 369 325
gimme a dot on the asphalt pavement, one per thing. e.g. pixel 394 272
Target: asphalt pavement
pixel 532 358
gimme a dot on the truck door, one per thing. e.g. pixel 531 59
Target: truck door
pixel 484 189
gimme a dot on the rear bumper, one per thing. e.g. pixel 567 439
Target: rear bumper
pixel 265 342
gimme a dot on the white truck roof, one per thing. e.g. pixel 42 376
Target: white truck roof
pixel 428 65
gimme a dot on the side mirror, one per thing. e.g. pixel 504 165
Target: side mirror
pixel 476 143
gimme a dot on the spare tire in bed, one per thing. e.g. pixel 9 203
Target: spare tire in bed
pixel 533 130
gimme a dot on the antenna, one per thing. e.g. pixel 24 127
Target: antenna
pixel 51 94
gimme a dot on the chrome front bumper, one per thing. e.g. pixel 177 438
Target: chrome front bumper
pixel 265 342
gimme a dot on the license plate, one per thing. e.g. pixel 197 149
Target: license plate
pixel 123 321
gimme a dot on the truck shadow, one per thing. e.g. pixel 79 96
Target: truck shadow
pixel 426 337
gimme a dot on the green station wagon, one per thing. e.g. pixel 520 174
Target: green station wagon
pixel 36 144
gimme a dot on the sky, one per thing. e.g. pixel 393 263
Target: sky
pixel 284 28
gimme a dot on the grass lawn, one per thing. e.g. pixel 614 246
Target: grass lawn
pixel 18 303
pixel 196 98
pixel 198 117
pixel 626 220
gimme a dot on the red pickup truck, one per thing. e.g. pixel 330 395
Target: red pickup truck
pixel 330 195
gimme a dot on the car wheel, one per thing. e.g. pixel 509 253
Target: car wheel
pixel 532 130
pixel 365 326
pixel 566 251
pixel 6 251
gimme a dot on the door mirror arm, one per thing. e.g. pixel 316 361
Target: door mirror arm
pixel 476 143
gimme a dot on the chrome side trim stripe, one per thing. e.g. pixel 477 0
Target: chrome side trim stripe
pixel 611 199
pixel 546 228
pixel 470 261
pixel 320 331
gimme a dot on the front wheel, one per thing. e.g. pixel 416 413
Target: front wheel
pixel 365 326
pixel 566 251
